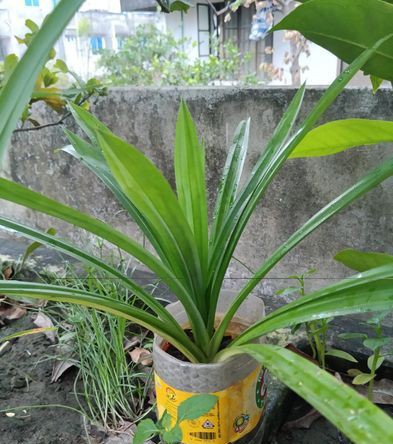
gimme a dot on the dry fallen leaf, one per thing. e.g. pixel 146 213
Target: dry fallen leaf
pixel 42 320
pixel 11 312
pixel 59 368
pixel 141 356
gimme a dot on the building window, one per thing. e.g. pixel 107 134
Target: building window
pixel 32 2
pixel 120 41
pixel 204 30
pixel 96 43
pixel 70 38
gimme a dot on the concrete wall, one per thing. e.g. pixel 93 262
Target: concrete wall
pixel 146 118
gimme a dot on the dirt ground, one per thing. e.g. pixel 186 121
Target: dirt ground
pixel 25 381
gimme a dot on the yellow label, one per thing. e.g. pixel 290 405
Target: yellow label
pixel 238 410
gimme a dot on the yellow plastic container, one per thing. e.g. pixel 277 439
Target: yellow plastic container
pixel 239 383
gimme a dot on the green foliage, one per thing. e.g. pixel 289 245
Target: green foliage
pixel 315 330
pixel 168 6
pixel 376 82
pixel 361 260
pixel 153 57
pixel 363 422
pixel 323 22
pixel 172 226
pixel 339 135
pixel 376 359
pixel 18 89
pixel 48 87
pixel 188 410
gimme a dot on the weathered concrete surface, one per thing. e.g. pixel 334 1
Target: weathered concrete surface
pixel 146 118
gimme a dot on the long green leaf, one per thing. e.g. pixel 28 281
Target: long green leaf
pixel 95 161
pixel 326 23
pixel 189 160
pixel 279 137
pixel 229 183
pixel 65 247
pixel 353 414
pixel 339 135
pixel 19 86
pixel 60 293
pixel 368 182
pixel 89 124
pixel 237 218
pixel 370 291
pixel 158 204
pixel 21 195
pixel 362 260
pixel 92 156
pixel 32 331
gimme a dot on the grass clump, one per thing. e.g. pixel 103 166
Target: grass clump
pixel 115 389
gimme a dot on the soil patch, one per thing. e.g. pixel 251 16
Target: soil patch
pixel 25 381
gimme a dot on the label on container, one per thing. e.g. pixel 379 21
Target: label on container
pixel 236 413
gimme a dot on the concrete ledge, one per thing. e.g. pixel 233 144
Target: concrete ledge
pixel 146 117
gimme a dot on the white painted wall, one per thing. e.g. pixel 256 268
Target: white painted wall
pixel 101 5
pixel 322 65
pixel 185 26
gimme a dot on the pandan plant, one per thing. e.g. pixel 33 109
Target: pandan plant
pixel 192 259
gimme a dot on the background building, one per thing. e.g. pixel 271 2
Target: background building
pixel 99 24
pixel 105 23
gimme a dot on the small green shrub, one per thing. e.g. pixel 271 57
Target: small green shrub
pixel 153 57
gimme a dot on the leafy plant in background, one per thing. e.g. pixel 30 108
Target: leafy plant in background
pixel 324 23
pixel 50 84
pixel 375 360
pixel 193 265
pixel 316 331
pixel 169 6
pixel 17 91
pixel 188 410
pixel 363 261
pixel 154 57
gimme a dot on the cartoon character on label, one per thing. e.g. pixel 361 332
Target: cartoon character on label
pixel 241 422
pixel 170 394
